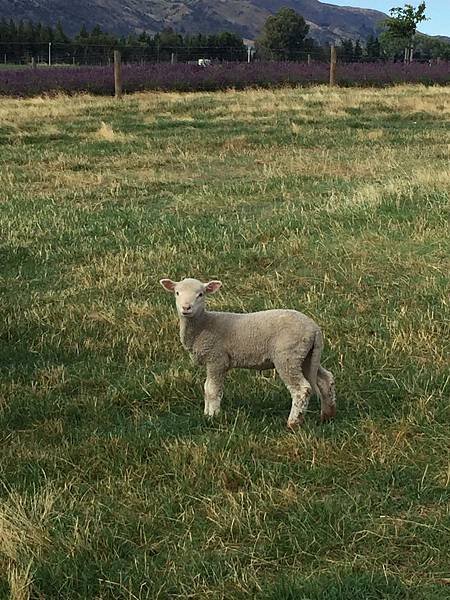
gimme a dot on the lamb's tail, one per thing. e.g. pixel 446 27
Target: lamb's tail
pixel 314 364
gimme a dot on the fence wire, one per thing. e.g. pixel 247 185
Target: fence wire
pixel 76 54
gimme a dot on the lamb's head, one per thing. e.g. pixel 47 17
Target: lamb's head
pixel 190 294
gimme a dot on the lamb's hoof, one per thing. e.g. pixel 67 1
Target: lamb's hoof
pixel 328 414
pixel 293 425
pixel 211 414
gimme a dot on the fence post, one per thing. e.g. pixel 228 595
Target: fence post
pixel 333 60
pixel 249 54
pixel 172 58
pixel 33 62
pixel 117 75
pixel 309 59
pixel 49 54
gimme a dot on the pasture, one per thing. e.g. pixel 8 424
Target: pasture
pixel 113 484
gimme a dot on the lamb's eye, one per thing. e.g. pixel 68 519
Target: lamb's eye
pixel 200 295
pixel 177 293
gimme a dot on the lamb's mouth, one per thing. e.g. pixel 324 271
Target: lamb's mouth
pixel 187 314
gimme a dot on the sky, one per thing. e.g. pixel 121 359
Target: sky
pixel 438 11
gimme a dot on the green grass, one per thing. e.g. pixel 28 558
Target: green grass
pixel 114 485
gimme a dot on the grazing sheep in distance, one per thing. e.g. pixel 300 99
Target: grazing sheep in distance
pixel 286 340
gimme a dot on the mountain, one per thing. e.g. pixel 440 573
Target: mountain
pixel 442 38
pixel 327 22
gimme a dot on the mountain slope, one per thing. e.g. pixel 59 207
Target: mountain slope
pixel 245 17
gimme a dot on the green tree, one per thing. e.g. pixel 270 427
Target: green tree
pixel 83 34
pixel 358 51
pixel 166 43
pixel 373 48
pixel 401 29
pixel 141 47
pixel 60 35
pixel 431 48
pixel 195 45
pixel 226 46
pixel 284 36
pixel 346 51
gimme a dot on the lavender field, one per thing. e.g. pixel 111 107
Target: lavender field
pixel 185 77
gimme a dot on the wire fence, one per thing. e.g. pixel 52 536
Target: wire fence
pixel 71 68
pixel 16 53
pixel 77 54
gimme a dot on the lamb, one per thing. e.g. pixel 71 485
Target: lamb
pixel 286 340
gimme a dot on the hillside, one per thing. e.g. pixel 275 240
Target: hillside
pixel 245 17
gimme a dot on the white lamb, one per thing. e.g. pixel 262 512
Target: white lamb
pixel 286 340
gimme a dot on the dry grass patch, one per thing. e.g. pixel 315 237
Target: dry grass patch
pixel 20 580
pixel 296 129
pixel 107 134
pixel 60 107
pixel 237 143
pixel 375 134
pixel 24 522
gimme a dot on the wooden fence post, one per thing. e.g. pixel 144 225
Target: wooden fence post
pixel 309 59
pixel 117 75
pixel 33 62
pixel 333 60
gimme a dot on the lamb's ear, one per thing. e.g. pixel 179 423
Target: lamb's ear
pixel 212 286
pixel 168 284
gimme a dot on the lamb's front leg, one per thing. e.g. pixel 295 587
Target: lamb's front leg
pixel 215 377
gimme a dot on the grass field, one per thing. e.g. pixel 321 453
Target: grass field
pixel 114 485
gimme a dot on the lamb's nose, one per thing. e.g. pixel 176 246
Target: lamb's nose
pixel 186 307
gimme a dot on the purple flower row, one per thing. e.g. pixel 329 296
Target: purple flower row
pixel 185 77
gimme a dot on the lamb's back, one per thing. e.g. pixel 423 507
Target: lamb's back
pixel 252 339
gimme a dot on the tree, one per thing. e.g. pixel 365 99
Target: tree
pixel 346 51
pixel 373 48
pixel 60 35
pixel 431 48
pixel 22 40
pixel 194 46
pixel 284 35
pixel 229 46
pixel 166 43
pixel 401 28
pixel 358 51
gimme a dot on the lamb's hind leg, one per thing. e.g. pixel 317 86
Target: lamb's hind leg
pixel 325 382
pixel 300 390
